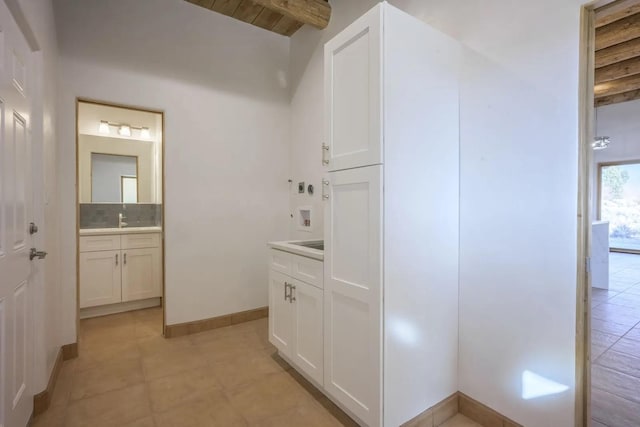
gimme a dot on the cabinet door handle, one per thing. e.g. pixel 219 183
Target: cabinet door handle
pixel 124 260
pixel 292 298
pixel 116 259
pixel 325 150
pixel 286 285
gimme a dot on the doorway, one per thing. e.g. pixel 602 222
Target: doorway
pixel 120 226
pixel 609 297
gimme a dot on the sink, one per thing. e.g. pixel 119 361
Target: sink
pixel 316 244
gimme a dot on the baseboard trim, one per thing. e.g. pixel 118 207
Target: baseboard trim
pixel 188 328
pixel 463 404
pixel 42 400
pixel 121 307
pixel 70 351
pixel 482 414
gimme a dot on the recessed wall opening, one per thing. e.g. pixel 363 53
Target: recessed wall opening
pixel 120 218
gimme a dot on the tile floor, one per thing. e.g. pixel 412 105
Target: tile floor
pixel 615 345
pixel 128 375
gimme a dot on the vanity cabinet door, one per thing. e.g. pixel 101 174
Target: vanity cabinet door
pixel 141 274
pixel 280 312
pixel 308 354
pixel 100 278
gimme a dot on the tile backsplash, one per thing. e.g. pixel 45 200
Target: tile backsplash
pixel 105 215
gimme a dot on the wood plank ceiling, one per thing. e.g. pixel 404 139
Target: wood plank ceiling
pixel 617 46
pixel 280 16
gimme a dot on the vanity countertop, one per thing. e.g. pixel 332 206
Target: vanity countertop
pixel 292 247
pixel 124 230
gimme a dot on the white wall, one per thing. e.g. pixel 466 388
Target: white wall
pixel 620 123
pixel 519 155
pixel 226 135
pixel 47 308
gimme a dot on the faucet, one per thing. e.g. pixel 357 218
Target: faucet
pixel 121 219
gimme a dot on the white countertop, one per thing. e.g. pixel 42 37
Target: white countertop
pixel 288 246
pixel 124 230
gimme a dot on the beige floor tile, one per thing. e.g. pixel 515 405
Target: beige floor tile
pixel 143 422
pixel 62 391
pixel 174 390
pixel 460 421
pixel 109 351
pixel 113 408
pixel 52 417
pixel 107 377
pixel 633 334
pixel 213 410
pixel 603 339
pixel 237 371
pixel 613 410
pixel 151 346
pixel 267 398
pixel 595 423
pixel 307 414
pixel 172 362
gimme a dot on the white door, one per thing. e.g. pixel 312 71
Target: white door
pixel 308 343
pixel 352 84
pixel 16 201
pixel 280 312
pixel 100 278
pixel 141 270
pixel 353 291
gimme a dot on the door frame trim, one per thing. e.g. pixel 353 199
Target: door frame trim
pixel 84 100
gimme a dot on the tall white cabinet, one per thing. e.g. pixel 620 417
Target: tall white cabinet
pixel 391 219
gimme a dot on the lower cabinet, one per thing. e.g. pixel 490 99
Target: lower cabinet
pixel 100 278
pixel 296 322
pixel 120 274
pixel 141 270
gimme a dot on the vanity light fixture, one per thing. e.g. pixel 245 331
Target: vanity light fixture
pixel 104 126
pixel 124 130
pixel 601 142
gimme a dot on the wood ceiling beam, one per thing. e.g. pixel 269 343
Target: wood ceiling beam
pixel 617 53
pixel 313 12
pixel 620 97
pixel 615 87
pixel 618 32
pixel 615 11
pixel 618 70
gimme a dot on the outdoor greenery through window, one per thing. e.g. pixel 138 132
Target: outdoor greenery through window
pixel 620 204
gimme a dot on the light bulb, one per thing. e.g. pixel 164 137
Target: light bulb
pixel 125 130
pixel 104 127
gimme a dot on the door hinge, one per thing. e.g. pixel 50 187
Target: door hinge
pixel 587 265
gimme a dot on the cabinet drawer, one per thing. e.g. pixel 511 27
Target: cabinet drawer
pixel 280 261
pixel 307 270
pixel 99 243
pixel 138 241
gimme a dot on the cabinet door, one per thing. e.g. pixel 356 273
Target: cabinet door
pixel 100 278
pixel 308 343
pixel 353 291
pixel 280 312
pixel 353 109
pixel 141 274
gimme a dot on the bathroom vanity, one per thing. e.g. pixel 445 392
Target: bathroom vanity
pixel 120 269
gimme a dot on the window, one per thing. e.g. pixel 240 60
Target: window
pixel 619 203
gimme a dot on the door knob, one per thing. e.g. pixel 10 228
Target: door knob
pixel 33 253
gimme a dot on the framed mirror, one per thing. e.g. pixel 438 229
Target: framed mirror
pixel 114 178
